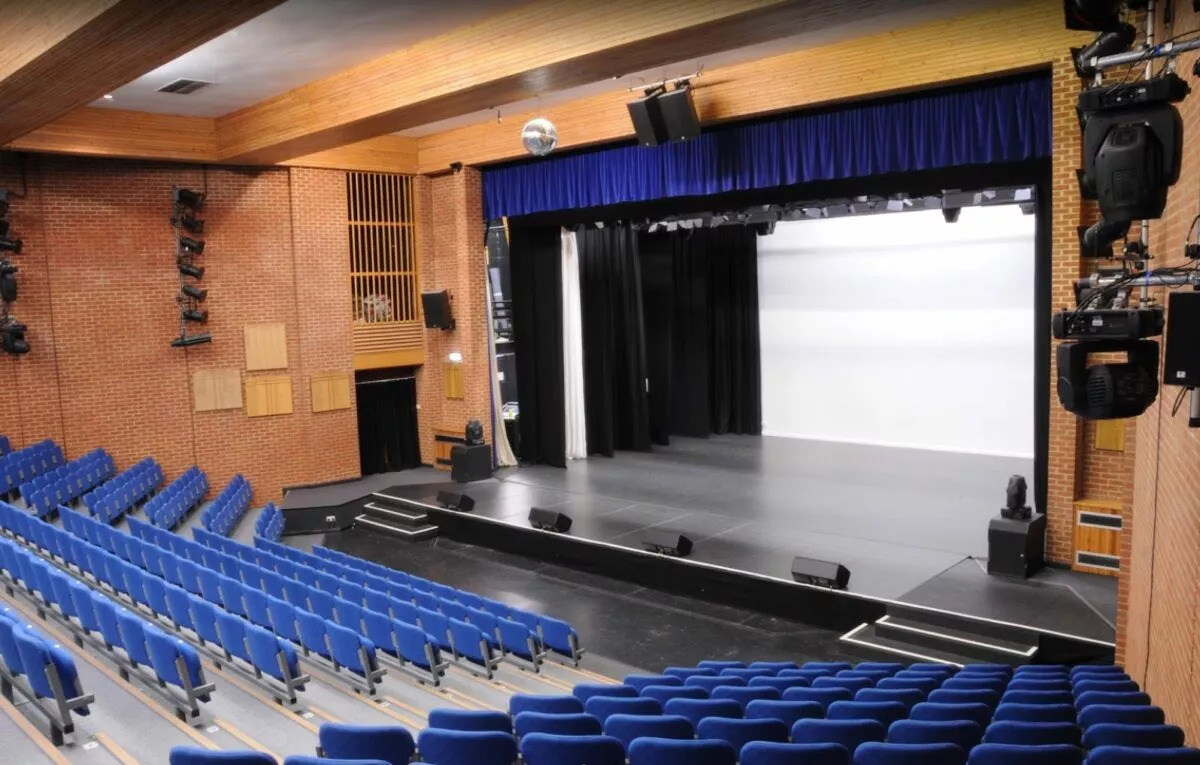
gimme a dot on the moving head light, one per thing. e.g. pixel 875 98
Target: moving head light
pixel 1108 391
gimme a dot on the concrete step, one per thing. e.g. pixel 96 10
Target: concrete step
pixel 410 533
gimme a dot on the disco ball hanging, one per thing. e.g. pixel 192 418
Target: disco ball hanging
pixel 539 136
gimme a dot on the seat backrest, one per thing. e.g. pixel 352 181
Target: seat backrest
pixel 822 696
pixel 667 751
pixel 852 684
pixel 909 697
pixel 312 632
pixel 771 753
pixel 456 747
pixel 522 702
pixel 1146 736
pixel 711 683
pixel 470 719
pixel 133 636
pixel 965 696
pixel 1118 713
pixel 626 728
pixel 737 733
pixel 926 710
pixel 1035 712
pixel 167 652
pixel 885 712
pixel 1127 755
pixel 698 709
pixel 875 753
pixel 603 707
pixel 1042 754
pixel 580 724
pixel 1112 698
pixel 964 733
pixel 1022 733
pixel 1037 697
pixel 188 755
pixel 350 649
pixel 389 743
pixel 551 749
pixel 585 691
pixel 683 673
pixel 664 693
pixel 848 733
pixel 976 682
pixel 232 630
pixel 643 681
pixel 786 712
pixel 744 696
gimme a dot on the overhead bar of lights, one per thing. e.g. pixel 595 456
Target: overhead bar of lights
pixel 185 205
pixel 12 332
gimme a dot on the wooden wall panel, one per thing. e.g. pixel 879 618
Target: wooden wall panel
pixel 131 135
pixel 1110 435
pixel 214 389
pixel 385 154
pixel 1021 36
pixel 330 391
pixel 266 346
pixel 268 396
pixel 453 380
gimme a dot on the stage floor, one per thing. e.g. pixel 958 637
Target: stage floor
pixel 907 523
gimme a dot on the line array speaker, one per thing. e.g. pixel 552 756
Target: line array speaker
pixel 549 520
pixel 667 543
pixel 822 573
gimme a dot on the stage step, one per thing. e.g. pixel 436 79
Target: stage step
pixel 410 533
pixel 942 636
pixel 403 517
pixel 867 636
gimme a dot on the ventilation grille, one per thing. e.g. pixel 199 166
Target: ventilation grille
pixel 1103 520
pixel 183 86
pixel 1098 560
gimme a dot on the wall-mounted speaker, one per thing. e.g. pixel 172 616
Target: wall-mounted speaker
pixel 549 520
pixel 667 543
pixel 454 501
pixel 822 573
pixel 665 116
pixel 647 123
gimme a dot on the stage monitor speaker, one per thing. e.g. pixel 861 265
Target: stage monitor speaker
pixel 549 520
pixel 470 463
pixel 454 501
pixel 667 543
pixel 647 121
pixel 677 110
pixel 822 573
pixel 1182 364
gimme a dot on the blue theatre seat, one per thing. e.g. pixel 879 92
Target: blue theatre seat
pixel 738 733
pixel 456 747
pixel 1023 733
pixel 1044 754
pixel 1129 755
pixel 665 751
pixel 548 749
pixel 873 753
pixel 558 705
pixel 769 753
pixel 848 733
pixel 1144 736
pixel 579 724
pixel 470 719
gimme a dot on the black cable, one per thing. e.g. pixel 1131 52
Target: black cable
pixel 1179 400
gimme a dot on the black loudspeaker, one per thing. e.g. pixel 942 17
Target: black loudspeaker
pixel 436 307
pixel 549 520
pixel 1182 366
pixel 470 463
pixel 822 573
pixel 1017 547
pixel 454 501
pixel 667 543
pixel 647 122
pixel 678 112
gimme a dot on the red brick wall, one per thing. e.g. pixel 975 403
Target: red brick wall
pixel 453 257
pixel 1159 602
pixel 97 289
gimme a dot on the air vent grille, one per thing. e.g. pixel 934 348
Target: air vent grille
pixel 183 86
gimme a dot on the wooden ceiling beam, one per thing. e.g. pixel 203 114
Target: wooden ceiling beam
pixel 1013 37
pixel 544 46
pixel 59 56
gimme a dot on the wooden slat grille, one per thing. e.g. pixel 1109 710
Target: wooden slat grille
pixel 383 262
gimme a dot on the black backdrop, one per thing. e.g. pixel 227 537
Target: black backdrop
pixel 614 349
pixel 535 262
pixel 387 425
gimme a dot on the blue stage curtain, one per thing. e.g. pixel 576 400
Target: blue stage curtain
pixel 1005 121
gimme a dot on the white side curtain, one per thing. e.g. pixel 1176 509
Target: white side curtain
pixel 504 452
pixel 573 349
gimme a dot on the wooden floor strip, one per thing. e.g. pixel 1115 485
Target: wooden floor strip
pixel 588 674
pixel 33 733
pixel 323 714
pixel 115 749
pixel 249 690
pixel 402 705
pixel 245 739
pixel 108 672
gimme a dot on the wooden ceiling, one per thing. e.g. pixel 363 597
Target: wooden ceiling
pixel 346 121
pixel 59 56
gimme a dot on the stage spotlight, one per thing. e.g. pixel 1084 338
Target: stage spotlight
pixel 1096 240
pixel 10 245
pixel 185 340
pixel 188 198
pixel 8 281
pixel 13 340
pixel 187 269
pixel 195 246
pixel 1015 506
pixel 1117 40
pixel 194 292
pixel 1092 15
pixel 195 315
pixel 951 214
pixel 189 223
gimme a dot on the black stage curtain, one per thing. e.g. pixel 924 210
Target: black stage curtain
pixel 614 359
pixel 535 262
pixel 387 426
pixel 712 381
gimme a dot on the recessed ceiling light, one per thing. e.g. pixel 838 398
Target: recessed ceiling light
pixel 108 96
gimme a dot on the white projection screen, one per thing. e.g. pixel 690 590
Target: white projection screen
pixel 901 330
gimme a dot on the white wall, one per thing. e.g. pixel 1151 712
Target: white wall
pixel 900 329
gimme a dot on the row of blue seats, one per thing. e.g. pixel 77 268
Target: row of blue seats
pixel 228 508
pixel 172 504
pixel 271 605
pixel 166 664
pixel 39 669
pixel 554 635
pixel 114 498
pixel 66 483
pixel 25 464
pixel 269 525
pixel 230 638
pixel 477 637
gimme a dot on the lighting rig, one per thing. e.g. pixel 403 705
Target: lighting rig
pixel 1133 143
pixel 12 332
pixel 186 204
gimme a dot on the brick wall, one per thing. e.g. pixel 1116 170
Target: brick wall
pixel 97 289
pixel 1158 602
pixel 453 257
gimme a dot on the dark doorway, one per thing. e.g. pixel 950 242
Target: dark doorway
pixel 387 420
